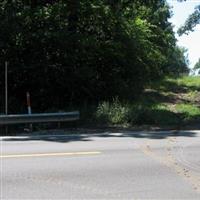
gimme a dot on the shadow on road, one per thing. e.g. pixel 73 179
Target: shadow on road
pixel 64 137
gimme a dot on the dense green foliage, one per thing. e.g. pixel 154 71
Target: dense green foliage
pixel 83 51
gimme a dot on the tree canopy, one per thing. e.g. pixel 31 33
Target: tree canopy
pixel 74 51
pixel 191 22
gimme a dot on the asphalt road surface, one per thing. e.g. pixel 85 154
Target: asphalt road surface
pixel 129 165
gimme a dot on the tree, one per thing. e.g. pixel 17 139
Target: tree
pixel 178 61
pixel 197 66
pixel 191 22
pixel 75 51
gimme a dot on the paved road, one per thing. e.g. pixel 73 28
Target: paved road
pixel 130 165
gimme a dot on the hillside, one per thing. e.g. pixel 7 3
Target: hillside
pixel 167 103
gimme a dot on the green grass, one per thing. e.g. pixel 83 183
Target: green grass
pixel 183 84
pixel 168 102
pixel 190 82
pixel 190 111
pixel 193 95
pixel 131 114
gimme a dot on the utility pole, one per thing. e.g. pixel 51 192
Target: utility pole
pixel 6 87
pixel 6 93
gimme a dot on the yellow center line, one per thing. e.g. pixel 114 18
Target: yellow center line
pixel 51 154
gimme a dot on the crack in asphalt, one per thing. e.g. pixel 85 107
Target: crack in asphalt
pixel 170 161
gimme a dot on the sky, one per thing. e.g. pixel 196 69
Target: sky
pixel 192 41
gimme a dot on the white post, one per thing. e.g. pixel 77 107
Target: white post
pixel 28 98
pixel 28 102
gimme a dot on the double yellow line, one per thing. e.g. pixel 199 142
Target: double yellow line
pixel 51 154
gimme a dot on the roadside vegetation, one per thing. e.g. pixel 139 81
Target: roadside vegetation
pixel 102 57
pixel 71 53
pixel 170 102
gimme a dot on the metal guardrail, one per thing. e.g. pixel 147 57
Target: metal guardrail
pixel 39 117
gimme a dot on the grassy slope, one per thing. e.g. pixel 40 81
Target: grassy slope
pixel 179 98
pixel 170 102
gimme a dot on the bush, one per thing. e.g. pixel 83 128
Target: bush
pixel 112 113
